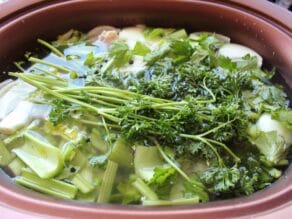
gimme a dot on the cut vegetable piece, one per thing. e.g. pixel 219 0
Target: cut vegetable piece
pixel 267 124
pixel 44 159
pixel 144 189
pixel 40 111
pixel 271 145
pixel 18 118
pixel 89 197
pixel 236 52
pixel 219 36
pixel 11 98
pixel 97 140
pixel 185 201
pixel 131 35
pixel 145 161
pixel 122 153
pixel 68 151
pixel 6 85
pixel 177 190
pixel 52 187
pixel 179 34
pixel 82 184
pixel 137 66
pixel 16 166
pixel 79 160
pixel 5 156
pixel 107 182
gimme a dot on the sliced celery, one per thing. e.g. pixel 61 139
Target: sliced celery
pixel 80 159
pixel 15 167
pixel 145 161
pixel 144 189
pixel 68 151
pixel 171 202
pixel 5 156
pixel 97 140
pixel 122 153
pixel 89 197
pixel 44 159
pixel 82 184
pixel 107 182
pixel 52 187
pixel 179 34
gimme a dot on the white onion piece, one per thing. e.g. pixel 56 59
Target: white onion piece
pixel 11 98
pixel 267 124
pixel 237 52
pixel 132 34
pixel 19 117
pixel 4 83
pixel 22 115
pixel 6 86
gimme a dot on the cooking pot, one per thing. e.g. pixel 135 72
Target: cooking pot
pixel 256 24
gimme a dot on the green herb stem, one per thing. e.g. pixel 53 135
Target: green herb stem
pixel 99 124
pixel 171 163
pixel 43 62
pixel 49 73
pixel 46 80
pixel 52 48
pixel 236 158
pixel 144 189
pixel 199 138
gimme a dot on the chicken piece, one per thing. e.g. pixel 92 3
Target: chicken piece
pixel 108 36
pixel 104 33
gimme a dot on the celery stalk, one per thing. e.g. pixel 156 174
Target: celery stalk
pixel 5 156
pixel 44 159
pixel 15 167
pixel 144 189
pixel 171 202
pixel 98 141
pixel 121 153
pixel 89 197
pixel 82 184
pixel 107 182
pixel 52 187
pixel 68 151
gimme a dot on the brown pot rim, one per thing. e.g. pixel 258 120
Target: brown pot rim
pixel 275 14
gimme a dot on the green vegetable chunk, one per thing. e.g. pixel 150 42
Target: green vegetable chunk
pixel 44 159
pixel 52 187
